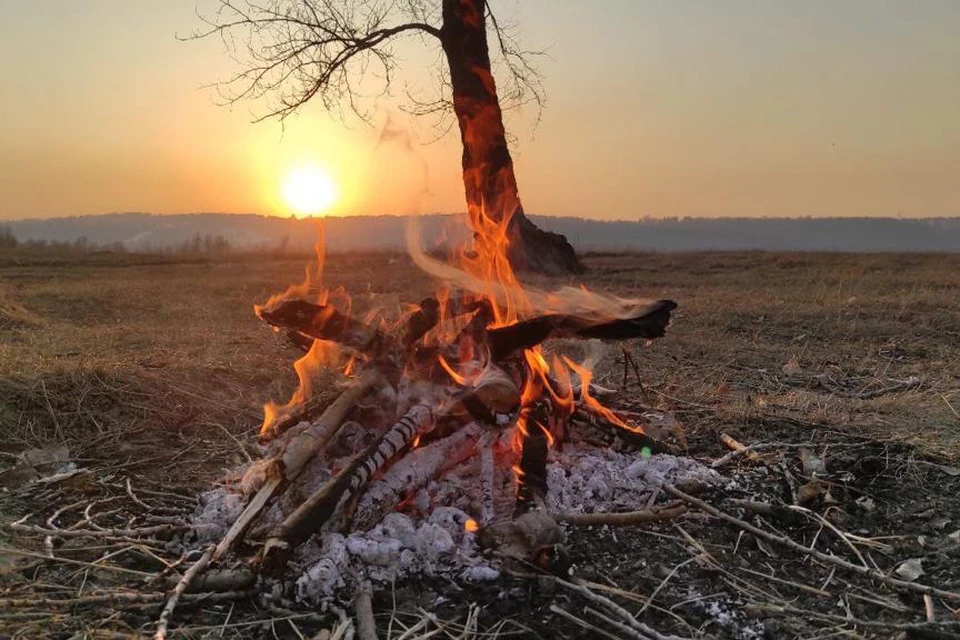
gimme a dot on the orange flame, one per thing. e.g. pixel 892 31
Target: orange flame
pixel 585 377
pixel 311 289
pixel 459 379
pixel 322 354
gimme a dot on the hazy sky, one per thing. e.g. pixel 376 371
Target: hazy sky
pixel 655 108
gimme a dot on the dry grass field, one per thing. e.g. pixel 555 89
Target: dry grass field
pixel 158 368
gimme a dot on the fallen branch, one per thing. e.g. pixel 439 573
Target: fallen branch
pixel 115 600
pixel 162 529
pixel 928 626
pixel 738 447
pixel 629 518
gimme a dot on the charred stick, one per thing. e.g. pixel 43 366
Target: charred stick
pixel 307 443
pixel 417 419
pixel 599 431
pixel 532 469
pixel 487 513
pixel 325 322
pixel 222 581
pixel 649 323
pixel 475 329
pixel 421 321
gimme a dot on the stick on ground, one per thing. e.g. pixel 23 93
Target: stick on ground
pixel 179 590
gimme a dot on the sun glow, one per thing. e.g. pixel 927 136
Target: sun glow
pixel 309 190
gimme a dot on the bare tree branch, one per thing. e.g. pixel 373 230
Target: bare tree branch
pixel 338 53
pixel 294 51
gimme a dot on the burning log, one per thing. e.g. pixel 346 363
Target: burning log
pixel 325 322
pixel 421 321
pixel 649 323
pixel 532 537
pixel 532 470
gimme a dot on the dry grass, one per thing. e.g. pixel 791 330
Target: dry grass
pixel 137 360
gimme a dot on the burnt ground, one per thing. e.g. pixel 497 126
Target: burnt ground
pixel 154 370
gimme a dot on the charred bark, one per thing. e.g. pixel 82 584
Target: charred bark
pixel 493 199
pixel 326 323
pixel 649 323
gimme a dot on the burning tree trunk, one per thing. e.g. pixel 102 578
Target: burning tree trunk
pixel 303 50
pixel 491 186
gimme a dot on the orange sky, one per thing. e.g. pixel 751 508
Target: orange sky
pixel 670 108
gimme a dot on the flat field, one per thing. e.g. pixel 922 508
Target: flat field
pixel 157 368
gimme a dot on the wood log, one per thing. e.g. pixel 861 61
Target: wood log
pixel 300 449
pixel 532 470
pixel 314 512
pixel 325 322
pixel 496 390
pixel 418 419
pixel 649 323
pixel 414 471
pixel 421 321
pixel 306 444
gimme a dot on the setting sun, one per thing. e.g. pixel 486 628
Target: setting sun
pixel 309 191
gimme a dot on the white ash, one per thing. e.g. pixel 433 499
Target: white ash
pixel 430 539
pixel 396 548
pixel 217 510
pixel 587 479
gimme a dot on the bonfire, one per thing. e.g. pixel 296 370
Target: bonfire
pixel 441 438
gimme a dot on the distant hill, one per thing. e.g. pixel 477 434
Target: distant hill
pixel 142 231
